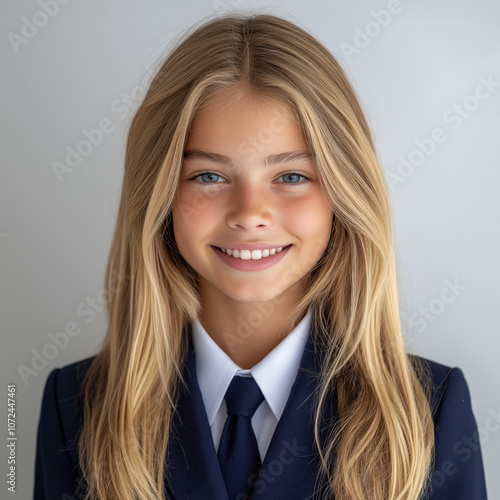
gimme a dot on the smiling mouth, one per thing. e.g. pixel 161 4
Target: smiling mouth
pixel 252 254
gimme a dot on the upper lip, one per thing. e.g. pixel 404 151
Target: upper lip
pixel 254 246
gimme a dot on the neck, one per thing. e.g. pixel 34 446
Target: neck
pixel 248 331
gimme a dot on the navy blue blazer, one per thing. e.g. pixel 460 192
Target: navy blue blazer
pixel 289 470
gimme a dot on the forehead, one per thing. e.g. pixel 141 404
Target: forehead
pixel 239 115
pixel 240 98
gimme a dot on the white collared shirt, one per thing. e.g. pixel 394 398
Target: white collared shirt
pixel 275 375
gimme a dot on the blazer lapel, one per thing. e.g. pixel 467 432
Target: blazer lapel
pixel 194 470
pixel 291 465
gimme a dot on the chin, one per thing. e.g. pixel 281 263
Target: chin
pixel 253 296
pixel 254 292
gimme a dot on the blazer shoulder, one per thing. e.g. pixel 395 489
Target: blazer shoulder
pixel 438 371
pixel 458 465
pixel 441 381
pixel 67 379
pixel 57 470
pixel 61 396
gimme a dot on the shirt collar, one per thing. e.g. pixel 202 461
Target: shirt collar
pixel 274 374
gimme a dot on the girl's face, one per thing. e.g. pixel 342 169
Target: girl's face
pixel 249 186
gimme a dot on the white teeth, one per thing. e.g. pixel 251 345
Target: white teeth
pixel 245 254
pixel 251 254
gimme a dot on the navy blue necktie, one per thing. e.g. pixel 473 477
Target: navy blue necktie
pixel 238 451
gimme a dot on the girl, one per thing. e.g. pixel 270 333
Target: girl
pixel 254 347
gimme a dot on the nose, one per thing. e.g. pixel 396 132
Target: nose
pixel 250 209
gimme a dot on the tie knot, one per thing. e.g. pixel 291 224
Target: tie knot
pixel 243 397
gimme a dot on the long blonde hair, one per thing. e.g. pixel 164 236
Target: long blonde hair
pixel 381 447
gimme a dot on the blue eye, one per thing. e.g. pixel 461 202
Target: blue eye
pixel 292 178
pixel 207 177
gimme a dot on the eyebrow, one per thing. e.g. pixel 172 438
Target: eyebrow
pixel 270 160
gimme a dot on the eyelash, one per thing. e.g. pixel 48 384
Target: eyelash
pixel 218 175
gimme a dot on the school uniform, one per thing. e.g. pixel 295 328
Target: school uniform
pixel 283 427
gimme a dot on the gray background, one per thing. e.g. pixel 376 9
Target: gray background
pixel 85 58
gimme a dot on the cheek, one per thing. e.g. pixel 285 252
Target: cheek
pixel 311 217
pixel 190 205
pixel 193 214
